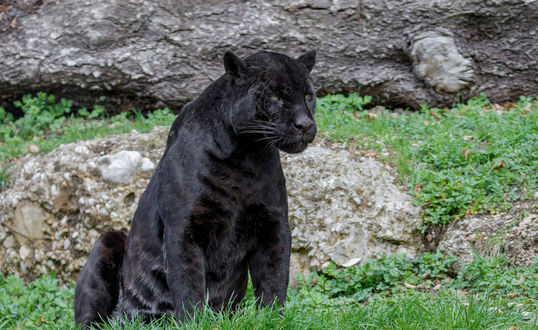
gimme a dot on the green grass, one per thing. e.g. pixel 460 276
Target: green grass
pixel 494 299
pixel 475 157
pixel 48 124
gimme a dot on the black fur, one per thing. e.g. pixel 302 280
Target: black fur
pixel 216 206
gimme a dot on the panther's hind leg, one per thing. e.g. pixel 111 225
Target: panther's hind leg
pixel 98 284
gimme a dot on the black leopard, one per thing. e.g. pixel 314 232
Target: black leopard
pixel 216 207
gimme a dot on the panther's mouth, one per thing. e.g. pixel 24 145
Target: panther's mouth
pixel 293 148
pixel 270 134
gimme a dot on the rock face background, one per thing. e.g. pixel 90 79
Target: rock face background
pixel 162 52
pixel 343 207
pixel 514 233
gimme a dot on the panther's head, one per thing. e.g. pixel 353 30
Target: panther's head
pixel 274 99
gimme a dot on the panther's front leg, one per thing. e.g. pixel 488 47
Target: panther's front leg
pixel 270 263
pixel 185 272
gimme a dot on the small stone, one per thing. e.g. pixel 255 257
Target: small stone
pixel 9 242
pixel 33 149
pixel 23 267
pixel 120 167
pixel 82 150
pixel 25 252
pixel 147 165
pixel 28 222
pixel 351 262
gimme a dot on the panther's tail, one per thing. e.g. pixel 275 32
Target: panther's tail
pixel 98 284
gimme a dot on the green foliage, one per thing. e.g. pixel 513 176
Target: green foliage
pixel 39 304
pixel 388 273
pixel 41 114
pixel 98 111
pixel 48 124
pixel 476 157
pixel 495 274
pixel 330 301
pixel 4 175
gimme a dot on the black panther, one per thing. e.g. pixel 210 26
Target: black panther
pixel 216 206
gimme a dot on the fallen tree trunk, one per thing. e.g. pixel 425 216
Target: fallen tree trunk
pixel 159 53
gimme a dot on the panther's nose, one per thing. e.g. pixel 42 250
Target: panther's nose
pixel 306 126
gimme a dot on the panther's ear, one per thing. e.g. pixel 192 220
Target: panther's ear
pixel 308 60
pixel 234 65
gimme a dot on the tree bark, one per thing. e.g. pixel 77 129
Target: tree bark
pixel 159 53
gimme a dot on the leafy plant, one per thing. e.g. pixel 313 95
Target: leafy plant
pixel 388 273
pixel 495 274
pixel 36 305
pixel 98 111
pixel 4 175
pixel 41 113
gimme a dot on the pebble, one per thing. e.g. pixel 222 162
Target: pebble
pixel 25 252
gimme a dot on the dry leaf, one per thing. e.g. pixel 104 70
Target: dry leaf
pixel 509 105
pixel 418 188
pixel 44 321
pixel 515 327
pixel 466 153
pixel 434 115
pixel 409 286
pixel 369 154
pixel 13 22
pixel 371 115
pixel 4 8
pixel 501 165
pixel 464 293
pixel 497 107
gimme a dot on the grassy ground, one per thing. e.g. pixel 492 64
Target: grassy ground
pixel 486 294
pixel 475 157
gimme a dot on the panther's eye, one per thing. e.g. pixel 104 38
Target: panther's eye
pixel 308 97
pixel 276 98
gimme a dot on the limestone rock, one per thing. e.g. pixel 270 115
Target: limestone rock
pixel 346 208
pixel 120 167
pixel 522 241
pixel 28 221
pixel 495 233
pixel 439 63
pixel 343 207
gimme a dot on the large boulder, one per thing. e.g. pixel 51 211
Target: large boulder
pixel 514 233
pixel 343 207
pixel 159 52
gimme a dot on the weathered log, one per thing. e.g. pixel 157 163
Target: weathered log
pixel 163 53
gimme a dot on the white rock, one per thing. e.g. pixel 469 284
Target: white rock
pixel 120 167
pixel 9 242
pixel 437 61
pixel 25 252
pixel 147 165
pixel 82 150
